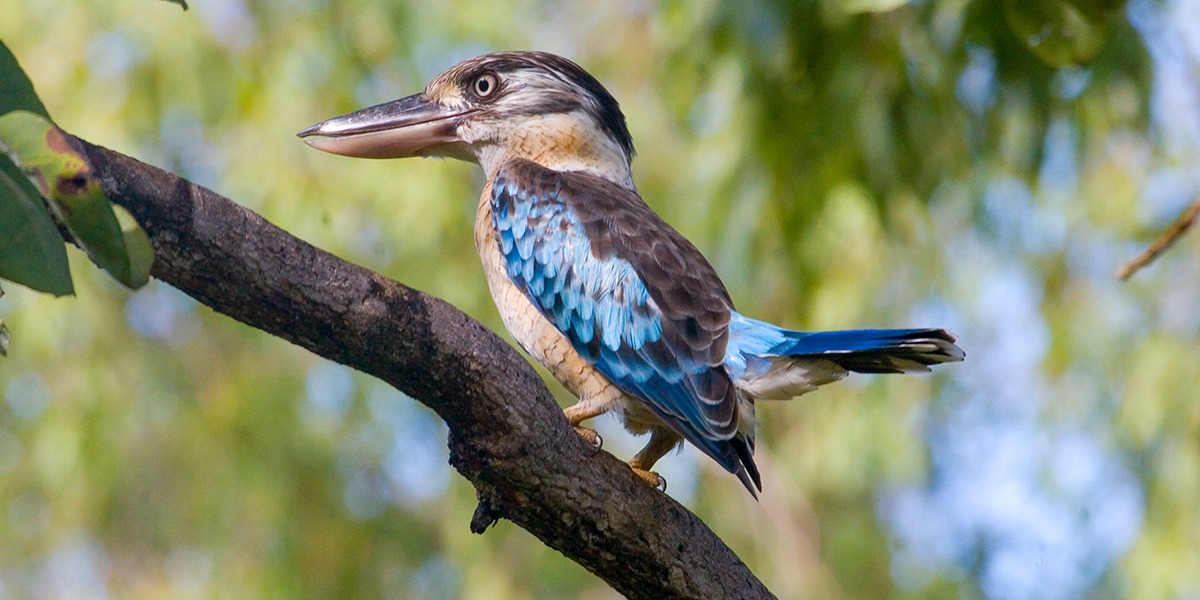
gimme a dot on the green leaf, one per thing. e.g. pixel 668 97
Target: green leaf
pixel 1099 9
pixel 4 337
pixel 137 247
pixel 64 178
pixel 17 92
pixel 1058 32
pixel 866 6
pixel 32 252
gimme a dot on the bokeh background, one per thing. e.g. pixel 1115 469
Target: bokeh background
pixel 982 165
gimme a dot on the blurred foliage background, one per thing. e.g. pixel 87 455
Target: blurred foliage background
pixel 982 165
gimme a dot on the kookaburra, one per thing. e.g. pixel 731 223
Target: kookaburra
pixel 619 306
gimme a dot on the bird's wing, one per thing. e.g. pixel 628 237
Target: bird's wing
pixel 634 297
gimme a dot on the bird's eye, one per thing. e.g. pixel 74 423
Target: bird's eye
pixel 485 85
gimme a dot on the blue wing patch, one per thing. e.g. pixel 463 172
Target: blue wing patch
pixel 600 303
pixel 582 257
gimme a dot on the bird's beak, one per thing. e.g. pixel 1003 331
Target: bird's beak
pixel 412 126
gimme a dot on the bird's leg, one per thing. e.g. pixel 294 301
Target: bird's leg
pixel 662 440
pixel 580 412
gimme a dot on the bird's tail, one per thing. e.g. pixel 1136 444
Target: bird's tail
pixel 876 350
pixel 776 363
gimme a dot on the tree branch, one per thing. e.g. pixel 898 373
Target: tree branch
pixel 507 435
pixel 1182 223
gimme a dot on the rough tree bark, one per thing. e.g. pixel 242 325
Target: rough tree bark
pixel 507 435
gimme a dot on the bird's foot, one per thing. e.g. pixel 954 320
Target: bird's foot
pixel 590 436
pixel 651 478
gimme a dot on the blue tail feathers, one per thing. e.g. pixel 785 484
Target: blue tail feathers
pixel 861 350
pixel 874 350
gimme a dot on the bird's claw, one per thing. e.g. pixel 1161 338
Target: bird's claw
pixel 590 436
pixel 651 478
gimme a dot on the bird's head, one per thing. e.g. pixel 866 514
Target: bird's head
pixel 490 109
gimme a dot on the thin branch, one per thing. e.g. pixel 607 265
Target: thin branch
pixel 507 435
pixel 1185 220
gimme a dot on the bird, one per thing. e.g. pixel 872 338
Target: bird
pixel 617 305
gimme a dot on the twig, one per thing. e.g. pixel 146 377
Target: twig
pixel 1185 220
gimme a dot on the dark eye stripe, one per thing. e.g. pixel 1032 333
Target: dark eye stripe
pixel 550 105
